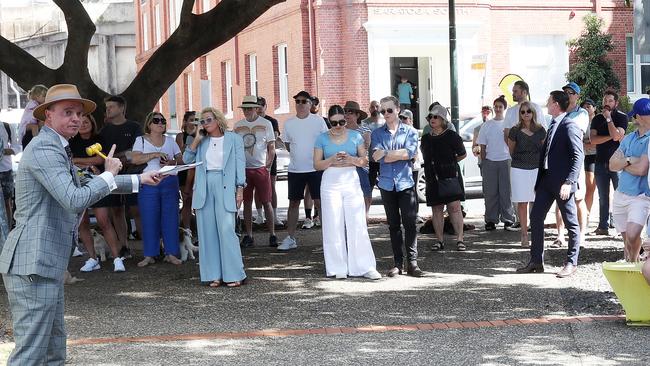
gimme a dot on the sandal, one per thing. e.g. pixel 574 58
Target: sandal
pixel 236 283
pixel 173 260
pixel 460 246
pixel 557 244
pixel 215 283
pixel 146 261
pixel 438 246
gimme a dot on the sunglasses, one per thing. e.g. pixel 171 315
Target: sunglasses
pixel 349 111
pixel 403 118
pixel 525 111
pixel 428 117
pixel 206 121
pixel 338 123
pixel 158 121
pixel 571 92
pixel 387 110
pixel 301 101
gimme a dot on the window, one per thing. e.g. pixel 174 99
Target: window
pixel 158 27
pixel 228 86
pixel 174 14
pixel 252 64
pixel 283 79
pixel 171 92
pixel 188 85
pixel 145 32
pixel 206 83
pixel 629 63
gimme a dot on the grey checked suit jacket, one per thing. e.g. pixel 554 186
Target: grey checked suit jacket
pixel 49 200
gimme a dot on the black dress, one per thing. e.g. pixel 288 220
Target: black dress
pixel 439 154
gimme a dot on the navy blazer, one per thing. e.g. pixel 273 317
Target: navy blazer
pixel 565 158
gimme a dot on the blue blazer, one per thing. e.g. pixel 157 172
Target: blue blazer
pixel 565 158
pixel 234 170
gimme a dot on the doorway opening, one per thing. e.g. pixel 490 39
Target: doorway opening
pixel 406 67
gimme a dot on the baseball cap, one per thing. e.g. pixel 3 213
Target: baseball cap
pixel 588 101
pixel 303 94
pixel 573 86
pixel 641 107
pixel 406 113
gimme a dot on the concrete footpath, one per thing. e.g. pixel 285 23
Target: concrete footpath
pixel 470 308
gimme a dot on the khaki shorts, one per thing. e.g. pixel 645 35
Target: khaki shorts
pixel 627 209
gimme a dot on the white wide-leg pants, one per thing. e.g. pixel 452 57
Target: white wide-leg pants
pixel 346 244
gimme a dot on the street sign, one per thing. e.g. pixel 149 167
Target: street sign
pixel 479 62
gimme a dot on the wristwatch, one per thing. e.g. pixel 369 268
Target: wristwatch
pixel 609 120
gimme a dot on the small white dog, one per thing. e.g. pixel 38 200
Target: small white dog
pixel 186 246
pixel 100 245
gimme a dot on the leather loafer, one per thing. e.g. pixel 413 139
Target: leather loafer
pixel 568 270
pixel 394 272
pixel 415 272
pixel 532 268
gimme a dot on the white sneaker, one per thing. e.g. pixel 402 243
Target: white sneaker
pixel 316 221
pixel 92 264
pixel 372 275
pixel 307 224
pixel 341 276
pixel 259 220
pixel 118 263
pixel 77 252
pixel 288 243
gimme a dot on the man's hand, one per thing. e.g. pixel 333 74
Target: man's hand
pixel 565 191
pixel 378 154
pixel 150 178
pixel 607 113
pixel 111 164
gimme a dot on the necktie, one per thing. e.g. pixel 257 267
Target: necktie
pixel 551 130
pixel 68 152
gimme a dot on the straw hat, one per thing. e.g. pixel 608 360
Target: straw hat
pixel 250 101
pixel 354 106
pixel 60 93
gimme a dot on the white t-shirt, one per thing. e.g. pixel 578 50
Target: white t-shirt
pixel 491 135
pixel 512 116
pixel 214 154
pixel 301 136
pixel 169 147
pixel 256 136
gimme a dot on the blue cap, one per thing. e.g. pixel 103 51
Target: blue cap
pixel 573 86
pixel 641 107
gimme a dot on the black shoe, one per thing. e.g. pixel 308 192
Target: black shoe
pixel 516 225
pixel 125 252
pixel 532 268
pixel 415 272
pixel 600 231
pixel 273 241
pixel 489 226
pixel 509 226
pixel 247 242
pixel 393 272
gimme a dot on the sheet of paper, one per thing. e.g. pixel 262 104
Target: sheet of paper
pixel 174 169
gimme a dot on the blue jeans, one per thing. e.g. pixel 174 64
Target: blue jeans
pixel 159 213
pixel 603 176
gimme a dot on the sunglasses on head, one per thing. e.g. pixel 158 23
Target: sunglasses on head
pixel 301 101
pixel 525 111
pixel 338 123
pixel 159 120
pixel 206 121
pixel 387 110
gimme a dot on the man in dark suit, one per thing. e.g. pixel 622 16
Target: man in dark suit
pixel 557 181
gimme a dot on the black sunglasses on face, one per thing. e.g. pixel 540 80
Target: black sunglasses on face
pixel 338 123
pixel 428 117
pixel 403 118
pixel 525 111
pixel 570 92
pixel 387 110
pixel 301 101
pixel 158 121
pixel 206 121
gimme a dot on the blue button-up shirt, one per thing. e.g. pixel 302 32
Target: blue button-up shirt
pixel 398 175
pixel 633 145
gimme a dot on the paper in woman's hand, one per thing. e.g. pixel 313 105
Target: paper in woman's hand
pixel 174 169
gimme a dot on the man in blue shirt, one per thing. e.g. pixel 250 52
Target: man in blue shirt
pixel 631 199
pixel 404 93
pixel 394 145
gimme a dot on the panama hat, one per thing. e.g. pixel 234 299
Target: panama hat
pixel 250 101
pixel 354 106
pixel 60 93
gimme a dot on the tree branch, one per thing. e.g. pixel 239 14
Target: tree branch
pixel 186 11
pixel 22 67
pixel 80 33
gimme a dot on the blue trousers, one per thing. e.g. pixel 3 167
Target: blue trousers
pixel 159 213
pixel 603 176
pixel 220 255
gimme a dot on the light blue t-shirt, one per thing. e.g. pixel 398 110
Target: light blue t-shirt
pixel 329 148
pixel 404 91
pixel 633 145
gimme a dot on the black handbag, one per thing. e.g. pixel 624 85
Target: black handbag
pixel 130 168
pixel 448 187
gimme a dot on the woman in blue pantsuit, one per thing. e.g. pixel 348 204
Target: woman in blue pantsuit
pixel 218 190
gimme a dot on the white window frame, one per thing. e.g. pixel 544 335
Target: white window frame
pixel 636 92
pixel 145 31
pixel 252 68
pixel 283 76
pixel 229 108
pixel 158 24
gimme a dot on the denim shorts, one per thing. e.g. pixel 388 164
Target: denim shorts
pixel 364 180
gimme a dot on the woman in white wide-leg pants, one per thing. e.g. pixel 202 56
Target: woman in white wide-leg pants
pixel 346 244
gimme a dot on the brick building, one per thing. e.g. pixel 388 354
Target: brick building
pixel 357 49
